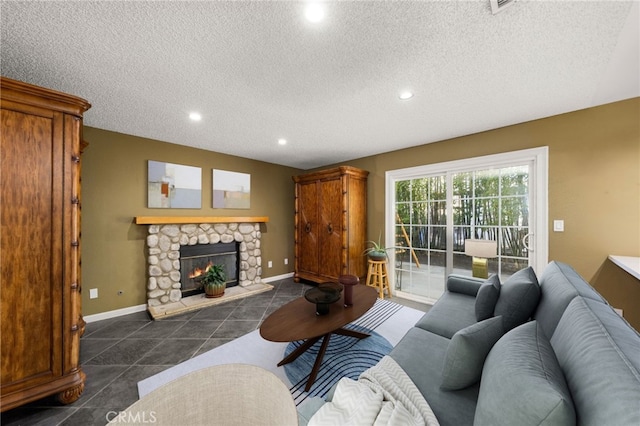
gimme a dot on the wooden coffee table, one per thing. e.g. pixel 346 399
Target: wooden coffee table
pixel 297 320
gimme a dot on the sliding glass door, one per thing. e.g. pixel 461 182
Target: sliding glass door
pixel 432 210
pixel 420 235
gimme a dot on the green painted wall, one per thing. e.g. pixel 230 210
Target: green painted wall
pixel 114 191
pixel 594 185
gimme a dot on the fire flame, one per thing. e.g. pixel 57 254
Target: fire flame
pixel 200 271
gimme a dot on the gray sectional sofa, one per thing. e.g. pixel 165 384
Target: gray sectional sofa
pixel 530 351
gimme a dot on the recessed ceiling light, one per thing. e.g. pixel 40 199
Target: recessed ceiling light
pixel 314 12
pixel 282 141
pixel 405 95
pixel 194 116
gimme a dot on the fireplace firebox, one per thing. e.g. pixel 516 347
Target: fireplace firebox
pixel 194 261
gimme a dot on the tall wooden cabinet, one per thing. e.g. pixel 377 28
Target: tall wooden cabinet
pixel 330 224
pixel 41 321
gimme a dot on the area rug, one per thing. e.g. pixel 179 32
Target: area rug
pixel 386 321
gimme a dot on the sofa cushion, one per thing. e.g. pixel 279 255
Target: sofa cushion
pixel 559 284
pixel 463 284
pixel 467 351
pixel 522 383
pixel 519 296
pixel 452 312
pixel 487 297
pixel 421 355
pixel 600 356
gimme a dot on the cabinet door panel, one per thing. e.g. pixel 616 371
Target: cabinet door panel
pixel 31 257
pixel 308 228
pixel 330 232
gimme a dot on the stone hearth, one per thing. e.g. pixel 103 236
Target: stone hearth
pixel 164 297
pixel 198 301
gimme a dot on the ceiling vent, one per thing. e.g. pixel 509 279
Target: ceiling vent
pixel 500 5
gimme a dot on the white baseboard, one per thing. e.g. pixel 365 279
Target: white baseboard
pixel 277 277
pixel 113 314
pixel 139 308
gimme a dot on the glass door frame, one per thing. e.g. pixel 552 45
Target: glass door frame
pixel 537 158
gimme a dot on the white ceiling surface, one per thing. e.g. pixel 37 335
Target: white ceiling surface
pixel 257 71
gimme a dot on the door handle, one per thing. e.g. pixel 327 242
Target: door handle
pixel 307 227
pixel 330 228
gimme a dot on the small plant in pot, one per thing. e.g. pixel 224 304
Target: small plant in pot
pixel 214 281
pixel 376 251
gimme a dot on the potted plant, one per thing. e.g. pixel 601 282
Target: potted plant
pixel 376 251
pixel 214 281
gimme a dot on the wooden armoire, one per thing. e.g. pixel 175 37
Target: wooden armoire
pixel 41 320
pixel 330 224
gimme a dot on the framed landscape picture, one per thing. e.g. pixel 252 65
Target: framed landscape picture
pixel 174 186
pixel 231 190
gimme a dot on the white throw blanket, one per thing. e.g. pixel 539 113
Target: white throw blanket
pixel 383 395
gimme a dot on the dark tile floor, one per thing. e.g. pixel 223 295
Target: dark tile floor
pixel 117 353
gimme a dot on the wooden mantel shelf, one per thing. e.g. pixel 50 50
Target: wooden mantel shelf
pixel 159 220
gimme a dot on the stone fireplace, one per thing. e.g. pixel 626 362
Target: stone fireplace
pixel 164 243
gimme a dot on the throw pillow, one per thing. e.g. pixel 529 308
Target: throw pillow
pixel 519 297
pixel 466 353
pixel 487 298
pixel 522 383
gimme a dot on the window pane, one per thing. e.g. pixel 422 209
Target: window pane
pixel 515 211
pixel 419 189
pixel 462 185
pixel 462 209
pixel 437 258
pixel 403 190
pixel 399 238
pixel 461 264
pixel 419 213
pixel 402 256
pixel 512 243
pixel 485 233
pixel 460 233
pixel 403 210
pixel 486 183
pixel 438 213
pixel 438 237
pixel 486 211
pixel 437 188
pixel 515 180
pixel 419 237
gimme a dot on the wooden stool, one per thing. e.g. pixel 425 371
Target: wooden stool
pixel 377 276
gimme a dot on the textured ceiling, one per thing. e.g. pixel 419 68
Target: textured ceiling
pixel 257 71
